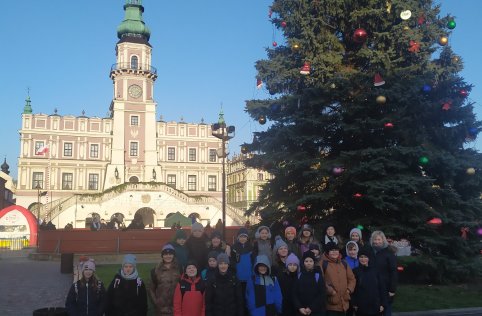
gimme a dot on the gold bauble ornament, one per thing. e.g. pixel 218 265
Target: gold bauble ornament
pixel 470 171
pixel 443 41
pixel 406 28
pixel 333 86
pixel 381 99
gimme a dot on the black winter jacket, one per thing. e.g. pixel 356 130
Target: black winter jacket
pixel 386 265
pixel 224 296
pixel 287 281
pixel 197 250
pixel 126 297
pixel 310 291
pixel 86 299
pixel 369 291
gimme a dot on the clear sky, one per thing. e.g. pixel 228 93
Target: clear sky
pixel 204 52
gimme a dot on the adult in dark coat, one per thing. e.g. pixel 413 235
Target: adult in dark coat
pixel 368 299
pixel 127 295
pixel 223 292
pixel 196 245
pixel 386 266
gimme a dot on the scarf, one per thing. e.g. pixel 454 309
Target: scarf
pixel 132 276
pixel 330 239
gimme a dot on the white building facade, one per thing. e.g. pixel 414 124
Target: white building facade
pixel 78 166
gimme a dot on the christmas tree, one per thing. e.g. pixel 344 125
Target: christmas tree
pixel 370 124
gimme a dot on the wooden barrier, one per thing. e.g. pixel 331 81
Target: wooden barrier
pixel 111 241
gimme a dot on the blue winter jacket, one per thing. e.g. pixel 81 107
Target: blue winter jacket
pixel 244 269
pixel 352 262
pixel 263 293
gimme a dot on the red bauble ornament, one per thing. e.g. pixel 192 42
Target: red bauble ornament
pixel 414 47
pixel 301 208
pixel 357 195
pixel 305 70
pixel 400 269
pixel 275 44
pixel 338 171
pixel 436 221
pixel 463 93
pixel 360 36
pixel 283 24
pixel 388 125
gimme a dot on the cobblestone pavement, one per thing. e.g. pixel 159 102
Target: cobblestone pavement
pixel 27 285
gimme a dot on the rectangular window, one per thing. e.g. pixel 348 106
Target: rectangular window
pixel 260 176
pixel 134 149
pixel 211 183
pixel 134 120
pixel 171 180
pixel 171 153
pixel 94 150
pixel 38 180
pixel 191 183
pixel 67 149
pixel 67 179
pixel 38 145
pixel 212 155
pixel 192 154
pixel 93 181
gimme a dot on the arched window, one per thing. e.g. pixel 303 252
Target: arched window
pixel 133 179
pixel 134 62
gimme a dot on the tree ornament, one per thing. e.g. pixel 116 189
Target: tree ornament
pixel 451 24
pixel 338 171
pixel 470 171
pixel 296 46
pixel 436 221
pixel 479 231
pixel 405 15
pixel 244 149
pixel 388 125
pixel 421 19
pixel 381 99
pixel 262 119
pixel 357 195
pixel 400 268
pixel 426 88
pixel 275 44
pixel 275 107
pixel 283 24
pixel 423 160
pixel 305 70
pixel 406 28
pixel 286 223
pixel 333 85
pixel 414 47
pixel 378 80
pixel 388 4
pixel 259 83
pixel 301 208
pixel 360 227
pixel 473 131
pixel 463 232
pixel 447 105
pixel 463 92
pixel 444 40
pixel 455 59
pixel 360 36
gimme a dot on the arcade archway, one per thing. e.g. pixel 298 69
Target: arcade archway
pixel 147 215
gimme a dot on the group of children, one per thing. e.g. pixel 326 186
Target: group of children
pixel 294 275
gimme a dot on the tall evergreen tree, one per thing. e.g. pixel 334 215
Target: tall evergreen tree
pixel 370 124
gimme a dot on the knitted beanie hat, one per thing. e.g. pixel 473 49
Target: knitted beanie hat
pixel 213 254
pixel 168 248
pixel 223 258
pixel 309 254
pixel 356 230
pixel 292 258
pixel 129 259
pixel 279 242
pixel 216 234
pixel 197 227
pixel 180 234
pixel 89 265
pixel 330 246
pixel 290 229
pixel 243 232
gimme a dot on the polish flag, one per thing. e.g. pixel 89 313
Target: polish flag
pixel 42 150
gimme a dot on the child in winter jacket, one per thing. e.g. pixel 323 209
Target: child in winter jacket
pixel 287 281
pixel 164 278
pixel 352 254
pixel 309 293
pixel 280 254
pixel 368 298
pixel 305 238
pixel 126 295
pixel 241 252
pixel 212 266
pixel 179 244
pixel 263 293
pixel 87 295
pixel 290 238
pixel 223 291
pixel 196 245
pixel 340 281
pixel 262 243
pixel 189 293
pixel 330 235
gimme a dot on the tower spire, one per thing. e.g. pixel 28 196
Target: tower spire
pixel 27 109
pixel 133 26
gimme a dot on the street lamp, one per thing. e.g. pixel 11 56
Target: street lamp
pixel 224 133
pixel 38 202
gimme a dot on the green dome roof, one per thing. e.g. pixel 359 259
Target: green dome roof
pixel 132 25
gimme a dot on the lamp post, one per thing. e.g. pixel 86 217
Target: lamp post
pixel 224 133
pixel 38 202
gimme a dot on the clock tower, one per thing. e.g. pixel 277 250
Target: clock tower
pixel 134 154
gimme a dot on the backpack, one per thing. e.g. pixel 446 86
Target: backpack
pixel 317 276
pixel 185 286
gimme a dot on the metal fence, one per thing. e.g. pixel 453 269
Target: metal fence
pixel 9 244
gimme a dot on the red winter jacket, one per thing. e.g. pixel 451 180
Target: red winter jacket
pixel 189 297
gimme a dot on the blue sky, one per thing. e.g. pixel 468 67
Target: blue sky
pixel 204 51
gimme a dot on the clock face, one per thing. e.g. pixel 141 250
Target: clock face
pixel 135 91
